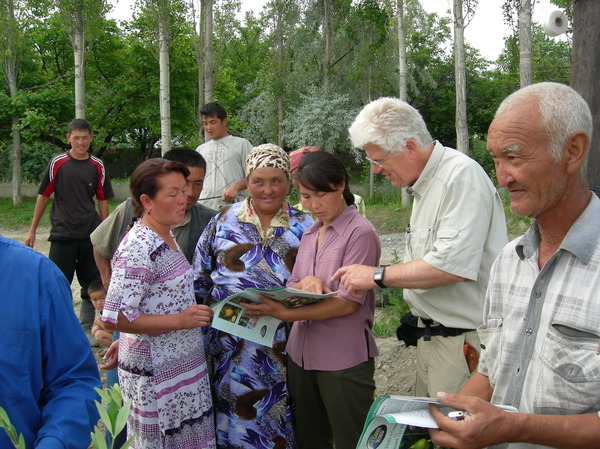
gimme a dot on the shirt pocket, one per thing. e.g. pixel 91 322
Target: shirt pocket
pixel 490 335
pixel 570 371
pixel 15 360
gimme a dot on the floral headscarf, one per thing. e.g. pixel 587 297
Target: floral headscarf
pixel 267 155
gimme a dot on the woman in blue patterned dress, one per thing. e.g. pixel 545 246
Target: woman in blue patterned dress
pixel 150 300
pixel 251 244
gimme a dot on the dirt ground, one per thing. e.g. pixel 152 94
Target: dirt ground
pixel 395 367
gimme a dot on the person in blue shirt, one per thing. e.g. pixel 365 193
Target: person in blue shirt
pixel 47 369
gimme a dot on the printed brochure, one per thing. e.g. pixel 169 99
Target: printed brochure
pixel 401 422
pixel 229 315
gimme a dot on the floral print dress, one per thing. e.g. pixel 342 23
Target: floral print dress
pixel 164 374
pixel 252 408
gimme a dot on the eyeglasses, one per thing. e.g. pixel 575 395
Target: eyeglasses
pixel 379 162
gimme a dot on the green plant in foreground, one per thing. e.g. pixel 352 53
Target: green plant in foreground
pixel 17 439
pixel 114 417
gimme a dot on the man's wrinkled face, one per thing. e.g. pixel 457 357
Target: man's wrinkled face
pixel 534 179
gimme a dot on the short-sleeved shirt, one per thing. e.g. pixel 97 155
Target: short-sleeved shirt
pixel 541 330
pixel 458 226
pixel 225 165
pixel 75 183
pixel 342 342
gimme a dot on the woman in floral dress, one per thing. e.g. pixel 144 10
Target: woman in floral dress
pixel 251 244
pixel 150 300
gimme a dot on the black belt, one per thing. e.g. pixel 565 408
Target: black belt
pixel 440 329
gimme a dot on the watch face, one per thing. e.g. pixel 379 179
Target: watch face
pixel 378 276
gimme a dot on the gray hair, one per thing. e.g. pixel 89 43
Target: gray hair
pixel 389 123
pixel 562 112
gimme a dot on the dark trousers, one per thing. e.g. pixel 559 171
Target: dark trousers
pixel 331 406
pixel 77 257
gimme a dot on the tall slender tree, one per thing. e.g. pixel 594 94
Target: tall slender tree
pixel 525 72
pixel 462 130
pixel 402 87
pixel 79 18
pixel 10 43
pixel 164 43
pixel 209 85
pixel 327 38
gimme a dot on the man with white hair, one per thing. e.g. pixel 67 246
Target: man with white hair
pixel 541 331
pixel 457 228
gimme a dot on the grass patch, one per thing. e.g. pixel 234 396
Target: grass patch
pixel 14 217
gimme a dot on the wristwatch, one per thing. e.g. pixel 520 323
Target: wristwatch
pixel 378 276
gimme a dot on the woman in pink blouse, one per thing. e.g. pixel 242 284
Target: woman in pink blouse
pixel 331 348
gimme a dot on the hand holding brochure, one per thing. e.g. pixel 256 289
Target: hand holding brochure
pixel 398 422
pixel 229 315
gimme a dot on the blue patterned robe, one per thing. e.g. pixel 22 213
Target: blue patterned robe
pixel 249 380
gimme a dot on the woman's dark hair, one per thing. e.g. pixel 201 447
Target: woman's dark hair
pixel 323 172
pixel 145 177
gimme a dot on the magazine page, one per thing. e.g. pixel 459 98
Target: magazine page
pixel 402 422
pixel 290 297
pixel 229 316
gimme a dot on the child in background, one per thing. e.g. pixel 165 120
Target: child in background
pixel 97 294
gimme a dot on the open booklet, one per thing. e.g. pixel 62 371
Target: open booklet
pixel 229 315
pixel 401 422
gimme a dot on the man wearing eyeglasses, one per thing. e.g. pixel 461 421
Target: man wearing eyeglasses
pixel 457 228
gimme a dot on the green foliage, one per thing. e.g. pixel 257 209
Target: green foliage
pixel 270 97
pixel 34 159
pixel 114 417
pixel 479 152
pixel 550 58
pixel 391 308
pixel 320 121
pixel 16 439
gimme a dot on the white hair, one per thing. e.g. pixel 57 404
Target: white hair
pixel 389 123
pixel 562 112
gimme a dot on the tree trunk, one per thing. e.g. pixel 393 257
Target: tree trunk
pixel 402 71
pixel 16 162
pixel 209 86
pixel 163 62
pixel 525 73
pixel 199 53
pixel 280 68
pixel 401 51
pixel 584 70
pixel 462 131
pixel 10 68
pixel 78 42
pixel 327 34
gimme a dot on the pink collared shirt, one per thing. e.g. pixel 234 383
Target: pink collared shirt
pixel 343 342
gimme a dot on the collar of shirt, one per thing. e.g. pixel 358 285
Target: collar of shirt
pixel 186 219
pixel 339 225
pixel 247 214
pixel 579 241
pixel 420 186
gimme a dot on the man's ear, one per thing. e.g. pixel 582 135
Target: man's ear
pixel 576 150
